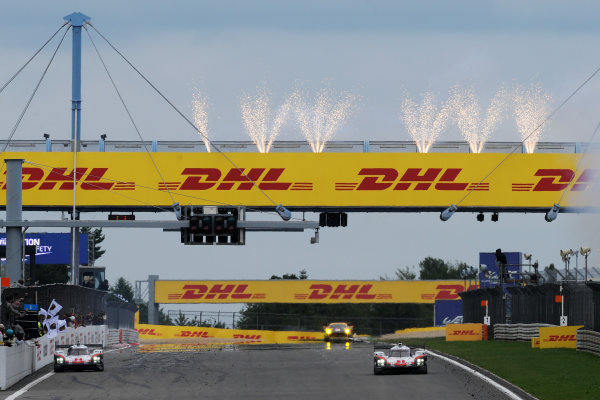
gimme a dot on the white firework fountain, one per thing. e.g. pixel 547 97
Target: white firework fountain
pixel 467 112
pixel 256 114
pixel 531 108
pixel 425 122
pixel 199 107
pixel 320 120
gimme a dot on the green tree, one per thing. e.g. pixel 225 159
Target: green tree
pixel 124 288
pixel 181 320
pixel 405 274
pixel 436 268
pixel 95 238
pixel 51 273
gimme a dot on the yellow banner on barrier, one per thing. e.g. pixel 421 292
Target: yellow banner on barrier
pixel 306 291
pixel 464 332
pixel 535 343
pixel 361 180
pixel 166 333
pixel 559 336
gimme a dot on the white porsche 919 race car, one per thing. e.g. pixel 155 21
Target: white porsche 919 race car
pixel 78 357
pixel 399 358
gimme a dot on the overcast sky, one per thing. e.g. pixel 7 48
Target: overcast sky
pixel 374 49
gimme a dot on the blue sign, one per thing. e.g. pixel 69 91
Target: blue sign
pixel 30 307
pixel 488 277
pixel 54 248
pixel 448 312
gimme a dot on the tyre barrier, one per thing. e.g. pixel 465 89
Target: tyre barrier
pixel 588 341
pixel 519 332
pixel 122 336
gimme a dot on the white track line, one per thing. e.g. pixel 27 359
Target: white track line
pixel 43 378
pixel 498 386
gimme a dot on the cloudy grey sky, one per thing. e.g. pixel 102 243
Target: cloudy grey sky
pixel 374 49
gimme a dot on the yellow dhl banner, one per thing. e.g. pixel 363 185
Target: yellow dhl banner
pixel 464 332
pixel 306 291
pixel 367 180
pixel 163 333
pixel 535 343
pixel 559 336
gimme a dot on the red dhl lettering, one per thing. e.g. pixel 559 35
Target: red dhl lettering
pixel 464 332
pixel 321 291
pixel 558 179
pixel 217 291
pixel 561 338
pixel 412 178
pixel 146 331
pixel 193 334
pixel 294 337
pixel 447 292
pixel 247 337
pixel 235 178
pixel 61 178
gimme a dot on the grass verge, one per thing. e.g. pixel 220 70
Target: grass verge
pixel 548 374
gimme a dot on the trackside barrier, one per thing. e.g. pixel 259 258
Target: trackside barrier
pixel 464 332
pixel 19 361
pixel 588 341
pixel 520 332
pixel 154 333
pixel 559 337
pixel 120 336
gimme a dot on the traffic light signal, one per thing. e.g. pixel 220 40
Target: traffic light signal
pixel 333 220
pixel 121 217
pixel 220 228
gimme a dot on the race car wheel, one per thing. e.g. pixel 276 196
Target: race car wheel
pixel 377 371
pixel 58 369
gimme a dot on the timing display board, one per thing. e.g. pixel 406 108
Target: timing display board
pixel 306 291
pixel 342 180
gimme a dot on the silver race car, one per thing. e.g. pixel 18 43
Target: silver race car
pixel 78 357
pixel 400 358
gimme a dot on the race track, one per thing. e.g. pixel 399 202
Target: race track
pixel 306 371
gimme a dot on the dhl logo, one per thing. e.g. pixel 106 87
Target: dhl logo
pixel 557 180
pixel 247 337
pixel 294 337
pixel 446 292
pixel 62 179
pixel 464 332
pixel 561 338
pixel 443 179
pixel 346 292
pixel 216 291
pixel 234 179
pixel 193 334
pixel 411 179
pixel 150 332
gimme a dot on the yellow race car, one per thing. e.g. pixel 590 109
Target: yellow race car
pixel 338 331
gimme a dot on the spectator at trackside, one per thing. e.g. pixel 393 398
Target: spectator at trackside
pixel 501 264
pixel 3 336
pixel 104 285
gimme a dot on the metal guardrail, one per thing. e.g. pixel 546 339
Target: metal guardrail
pixel 588 341
pixel 519 332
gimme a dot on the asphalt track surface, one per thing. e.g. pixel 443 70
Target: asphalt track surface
pixel 306 371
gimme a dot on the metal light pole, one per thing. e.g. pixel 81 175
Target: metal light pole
pixel 14 213
pixel 77 20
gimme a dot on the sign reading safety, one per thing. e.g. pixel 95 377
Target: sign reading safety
pixel 306 291
pixel 464 332
pixel 560 336
pixel 362 180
